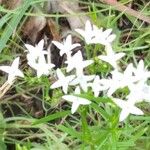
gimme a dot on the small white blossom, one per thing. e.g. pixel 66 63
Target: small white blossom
pixel 103 37
pixel 82 80
pixel 76 100
pixel 66 46
pixel 35 53
pixel 96 86
pixel 141 73
pixel 12 71
pixel 76 61
pixel 88 34
pixel 119 80
pixel 42 68
pixel 111 57
pixel 139 92
pixel 128 107
pixel 62 81
pixel 93 35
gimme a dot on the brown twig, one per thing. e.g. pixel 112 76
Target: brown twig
pixel 4 88
pixel 120 7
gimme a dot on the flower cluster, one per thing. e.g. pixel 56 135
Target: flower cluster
pixel 133 77
pixel 37 59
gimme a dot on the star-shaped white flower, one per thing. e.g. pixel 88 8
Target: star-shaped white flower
pixel 76 100
pixel 42 68
pixel 96 86
pixel 12 71
pixel 103 37
pixel 127 107
pixel 141 73
pixel 76 61
pixel 89 33
pixel 62 81
pixel 66 46
pixel 82 80
pixel 139 92
pixel 111 57
pixel 119 80
pixel 93 35
pixel 35 53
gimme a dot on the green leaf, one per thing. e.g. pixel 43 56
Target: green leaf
pixel 52 117
pixel 11 26
pixel 70 131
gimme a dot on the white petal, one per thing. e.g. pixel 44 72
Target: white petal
pixel 15 63
pixel 123 115
pixel 5 68
pixel 136 111
pixel 58 45
pixel 111 38
pixel 60 75
pixel 19 74
pixel 69 98
pixel 119 102
pixel 65 87
pixel 74 107
pixel 81 32
pixel 69 39
pixel 119 55
pixel 41 45
pixel 56 84
pixel 77 90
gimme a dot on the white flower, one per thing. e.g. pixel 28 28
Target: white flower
pixel 76 61
pixel 96 86
pixel 103 37
pixel 66 46
pixel 93 35
pixel 128 107
pixel 119 80
pixel 139 92
pixel 83 81
pixel 111 57
pixel 12 70
pixel 140 72
pixel 62 81
pixel 76 101
pixel 35 53
pixel 42 68
pixel 88 34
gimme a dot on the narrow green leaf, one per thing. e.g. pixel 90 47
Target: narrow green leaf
pixel 4 19
pixel 70 131
pixel 9 29
pixel 52 117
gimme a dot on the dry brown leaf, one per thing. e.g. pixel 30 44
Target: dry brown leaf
pixel 120 7
pixel 53 30
pixel 11 4
pixel 33 26
pixel 72 8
